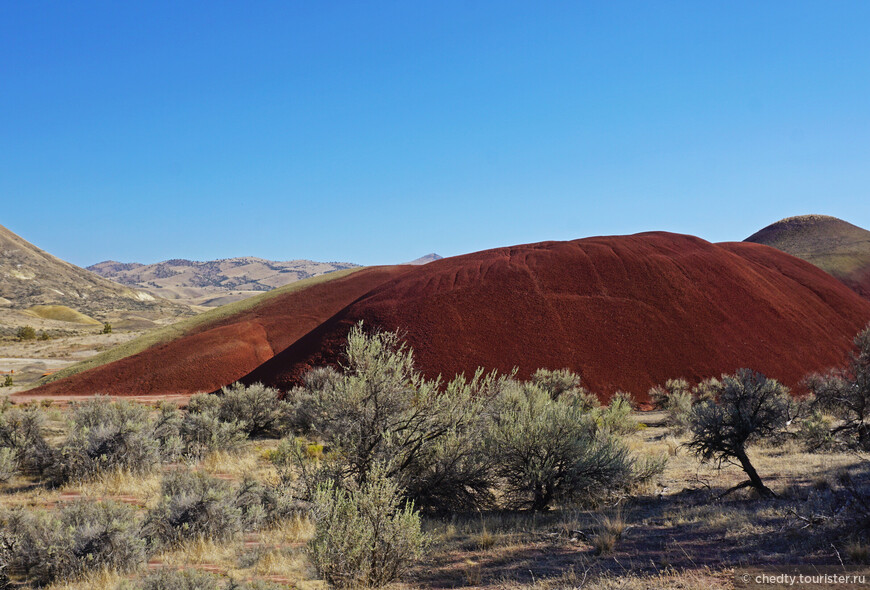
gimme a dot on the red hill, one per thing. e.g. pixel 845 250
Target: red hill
pixel 219 353
pixel 626 312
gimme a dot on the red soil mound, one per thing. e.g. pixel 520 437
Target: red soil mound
pixel 626 312
pixel 216 354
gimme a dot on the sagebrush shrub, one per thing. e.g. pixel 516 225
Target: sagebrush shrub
pixel 172 579
pixel 256 408
pixel 382 411
pixel 167 431
pixel 26 333
pixel 203 432
pixel 262 504
pixel 615 417
pixel 364 537
pixel 548 450
pixel 74 539
pixel 106 435
pixel 193 505
pixel 815 432
pixel 563 384
pixel 21 433
pixel 8 464
pixel 204 403
pixel 676 398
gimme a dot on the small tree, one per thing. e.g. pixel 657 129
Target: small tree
pixel 26 333
pixel 107 328
pixel 748 407
pixel 846 393
pixel 8 381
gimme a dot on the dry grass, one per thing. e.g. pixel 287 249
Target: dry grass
pixel 673 536
pixel 99 580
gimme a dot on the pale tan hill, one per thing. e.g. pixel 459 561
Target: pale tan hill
pixel 52 289
pixel 426 259
pixel 216 282
pixel 836 246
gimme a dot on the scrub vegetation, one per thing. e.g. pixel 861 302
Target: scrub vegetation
pixel 371 475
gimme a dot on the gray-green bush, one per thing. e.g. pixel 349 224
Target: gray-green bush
pixel 8 464
pixel 262 504
pixel 815 432
pixel 564 383
pixel 615 418
pixel 106 435
pixel 171 579
pixel 193 505
pixel 676 398
pixel 551 450
pixel 203 431
pixel 256 408
pixel 380 410
pixel 66 543
pixel 21 434
pixel 365 537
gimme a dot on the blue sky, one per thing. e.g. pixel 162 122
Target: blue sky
pixel 376 132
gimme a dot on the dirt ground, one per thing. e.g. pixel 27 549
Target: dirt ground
pixel 69 343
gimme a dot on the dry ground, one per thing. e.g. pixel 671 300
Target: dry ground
pixel 672 534
pixel 69 344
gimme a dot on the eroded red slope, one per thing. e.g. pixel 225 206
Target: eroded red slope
pixel 627 312
pixel 220 353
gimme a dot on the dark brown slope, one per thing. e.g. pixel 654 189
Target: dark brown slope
pixel 627 312
pixel 217 353
pixel 836 246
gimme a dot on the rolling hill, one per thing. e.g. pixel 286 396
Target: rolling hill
pixel 625 311
pixel 836 246
pixel 214 282
pixel 48 287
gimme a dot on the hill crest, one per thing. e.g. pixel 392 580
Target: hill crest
pixel 834 245
pixel 32 277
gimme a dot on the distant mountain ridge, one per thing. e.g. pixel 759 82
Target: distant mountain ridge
pixel 213 282
pixel 33 278
pixel 838 247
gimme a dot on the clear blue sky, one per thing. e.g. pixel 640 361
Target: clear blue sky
pixel 376 132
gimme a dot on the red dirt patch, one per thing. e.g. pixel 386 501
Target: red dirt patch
pixel 627 312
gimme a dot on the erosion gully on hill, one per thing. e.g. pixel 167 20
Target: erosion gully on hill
pixel 626 312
